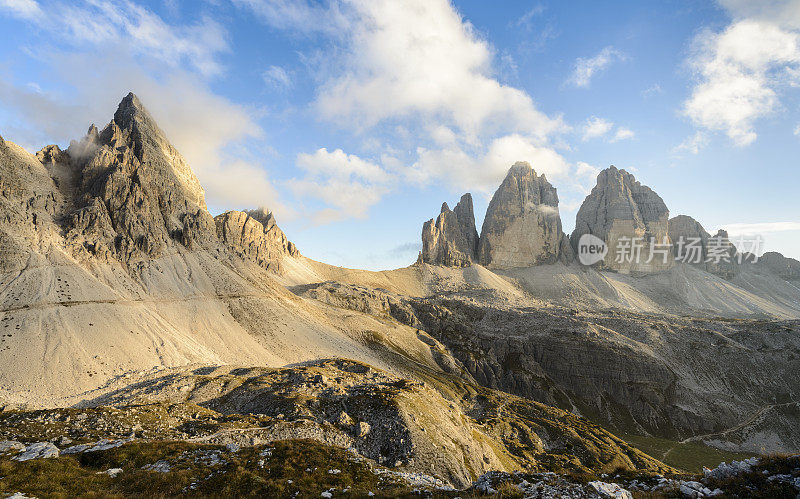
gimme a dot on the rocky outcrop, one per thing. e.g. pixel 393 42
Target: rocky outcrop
pixel 632 220
pixel 784 267
pixel 255 235
pixel 522 225
pixel 452 240
pixel 689 239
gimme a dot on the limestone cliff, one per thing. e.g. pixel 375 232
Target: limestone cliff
pixel 522 225
pixel 254 235
pixel 629 217
pixel 452 240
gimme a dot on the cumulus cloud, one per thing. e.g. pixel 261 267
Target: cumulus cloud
pixel 347 184
pixel 797 130
pixel 585 170
pixel 596 127
pixel 622 133
pixel 420 59
pixel 742 70
pixel 483 172
pixel 409 71
pixel 25 9
pixel 586 68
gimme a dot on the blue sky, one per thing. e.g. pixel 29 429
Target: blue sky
pixel 354 119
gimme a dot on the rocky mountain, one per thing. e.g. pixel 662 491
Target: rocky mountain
pixel 123 298
pixel 452 240
pixel 632 220
pixel 786 268
pixel 693 245
pixel 522 226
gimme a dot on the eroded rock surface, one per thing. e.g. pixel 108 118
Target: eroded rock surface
pixel 632 220
pixel 255 235
pixel 452 239
pixel 522 225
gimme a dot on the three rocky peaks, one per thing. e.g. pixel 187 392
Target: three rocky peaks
pixel 522 228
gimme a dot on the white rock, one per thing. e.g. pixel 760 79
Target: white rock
pixel 39 450
pixel 11 446
pixel 610 490
pixel 112 472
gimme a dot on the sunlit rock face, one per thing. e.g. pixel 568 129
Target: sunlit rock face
pixel 632 220
pixel 522 225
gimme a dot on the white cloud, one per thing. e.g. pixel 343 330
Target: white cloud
pixel 654 89
pixel 410 72
pixel 276 77
pixel 586 68
pixel 340 165
pixel 693 144
pixel 797 130
pixel 596 127
pixel 419 59
pixel 302 16
pixel 740 229
pixel 347 184
pixel 583 169
pixel 742 69
pixel 467 171
pixel 623 133
pixel 25 9
pixel 104 22
pixel 526 18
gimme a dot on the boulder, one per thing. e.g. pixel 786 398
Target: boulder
pixel 632 220
pixel 522 226
pixel 451 240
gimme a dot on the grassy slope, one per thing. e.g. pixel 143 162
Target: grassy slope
pixel 690 457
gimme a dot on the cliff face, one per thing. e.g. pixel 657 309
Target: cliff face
pixel 522 225
pixel 629 217
pixel 452 239
pixel 255 236
pixel 128 195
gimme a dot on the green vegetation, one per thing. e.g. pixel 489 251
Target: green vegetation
pixel 690 457
pixel 279 470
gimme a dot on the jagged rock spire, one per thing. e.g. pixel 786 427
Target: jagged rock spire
pixel 451 240
pixel 620 210
pixel 522 226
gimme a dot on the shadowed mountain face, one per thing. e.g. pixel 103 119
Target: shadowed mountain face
pixel 522 225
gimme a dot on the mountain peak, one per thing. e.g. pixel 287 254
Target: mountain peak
pixel 520 167
pixel 131 108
